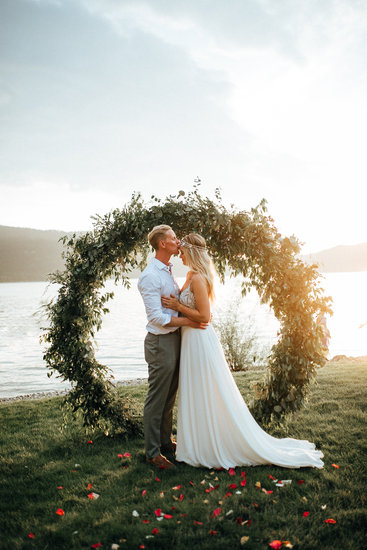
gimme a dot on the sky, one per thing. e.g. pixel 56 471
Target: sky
pixel 261 98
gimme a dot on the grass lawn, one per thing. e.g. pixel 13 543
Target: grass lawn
pixel 44 469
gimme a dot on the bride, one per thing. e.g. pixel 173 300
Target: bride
pixel 214 426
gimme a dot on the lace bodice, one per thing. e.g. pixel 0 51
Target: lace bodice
pixel 187 298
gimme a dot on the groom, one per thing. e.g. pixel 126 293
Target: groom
pixel 161 346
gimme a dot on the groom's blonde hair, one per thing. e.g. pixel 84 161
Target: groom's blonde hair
pixel 157 234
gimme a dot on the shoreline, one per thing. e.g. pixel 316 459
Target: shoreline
pixel 57 393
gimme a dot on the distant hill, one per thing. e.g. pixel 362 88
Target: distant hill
pixel 340 258
pixel 31 254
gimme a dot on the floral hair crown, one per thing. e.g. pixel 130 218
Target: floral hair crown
pixel 189 245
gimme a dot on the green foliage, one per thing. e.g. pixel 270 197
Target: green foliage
pixel 245 243
pixel 239 341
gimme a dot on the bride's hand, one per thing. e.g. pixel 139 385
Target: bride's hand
pixel 170 302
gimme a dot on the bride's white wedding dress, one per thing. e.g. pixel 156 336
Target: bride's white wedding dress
pixel 214 426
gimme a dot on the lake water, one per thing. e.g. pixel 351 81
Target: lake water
pixel 120 341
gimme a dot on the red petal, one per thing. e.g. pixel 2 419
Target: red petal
pixel 158 512
pixel 228 494
pixel 181 497
pixel 157 479
pixel 243 473
pixel 145 521
pixel 142 546
pixel 243 482
pixel 89 486
pixel 167 516
pixel 60 487
pixel 144 492
pixel 127 455
pixel 335 466
pixel 155 531
pixel 96 545
pixel 271 477
pixel 276 544
pixel 31 535
pixel 249 522
pixel 269 492
pixel 60 512
pixel 213 532
pixel 232 472
pixel 305 514
pixel 300 481
pixel 192 483
pixel 90 442
pixel 232 486
pixel 177 487
pixel 239 521
pixel 330 520
pixel 91 496
pixel 216 512
pixel 120 455
pixel 197 522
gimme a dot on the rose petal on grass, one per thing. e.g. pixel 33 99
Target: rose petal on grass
pixel 227 495
pixel 216 512
pixel 144 492
pixel 181 497
pixel 305 514
pixel 176 487
pixel 192 483
pixel 232 472
pixel 60 487
pixel 155 531
pixel 243 540
pixel 167 516
pixel 60 512
pixel 211 532
pixel 31 535
pixel 198 522
pixel 269 492
pixel 275 544
pixel 300 481
pixel 142 546
pixel 335 466
pixel 271 477
pixel 90 442
pixel 126 455
pixel 89 486
pixel 120 455
pixel 157 479
pixel 93 496
pixel 243 482
pixel 96 545
pixel 330 520
pixel 158 512
pixel 232 486
pixel 145 521
pixel 243 473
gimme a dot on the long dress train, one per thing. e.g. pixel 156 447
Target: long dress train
pixel 214 426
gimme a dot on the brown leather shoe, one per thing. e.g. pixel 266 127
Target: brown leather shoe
pixel 170 448
pixel 160 462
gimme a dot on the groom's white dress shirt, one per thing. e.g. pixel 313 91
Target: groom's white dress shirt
pixel 157 281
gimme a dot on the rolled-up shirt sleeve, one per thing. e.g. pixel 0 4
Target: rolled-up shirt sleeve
pixel 150 289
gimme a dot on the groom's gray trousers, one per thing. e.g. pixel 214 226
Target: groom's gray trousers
pixel 162 353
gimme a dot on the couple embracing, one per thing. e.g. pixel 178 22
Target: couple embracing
pixel 215 429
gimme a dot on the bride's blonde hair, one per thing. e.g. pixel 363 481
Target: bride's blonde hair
pixel 199 260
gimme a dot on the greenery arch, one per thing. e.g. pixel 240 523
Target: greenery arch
pixel 245 243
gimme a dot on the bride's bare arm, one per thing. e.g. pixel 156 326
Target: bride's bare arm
pixel 202 312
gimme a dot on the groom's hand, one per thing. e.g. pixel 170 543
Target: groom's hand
pixel 194 324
